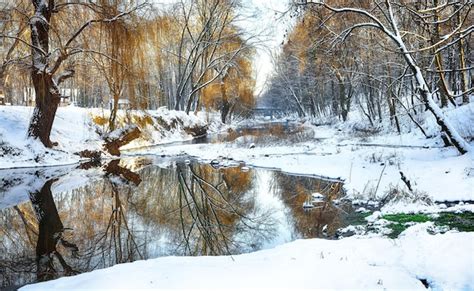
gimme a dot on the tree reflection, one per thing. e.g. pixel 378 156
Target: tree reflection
pixel 325 217
pixel 38 226
pixel 50 235
pixel 118 239
pixel 202 210
pixel 124 216
pixel 214 203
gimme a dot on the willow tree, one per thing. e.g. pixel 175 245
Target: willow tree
pixel 47 72
pixel 13 27
pixel 161 33
pixel 234 85
pixel 122 55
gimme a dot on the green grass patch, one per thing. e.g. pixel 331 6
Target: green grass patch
pixel 460 221
pixel 397 229
pixel 405 218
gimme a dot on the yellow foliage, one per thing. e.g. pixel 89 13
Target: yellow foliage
pixel 100 120
pixel 142 121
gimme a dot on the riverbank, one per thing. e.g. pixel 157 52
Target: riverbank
pixel 370 165
pixel 369 168
pixel 424 254
pixel 415 261
pixel 76 129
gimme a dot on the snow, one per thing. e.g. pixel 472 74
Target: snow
pixel 70 129
pixel 75 131
pixel 440 172
pixel 369 167
pixel 304 264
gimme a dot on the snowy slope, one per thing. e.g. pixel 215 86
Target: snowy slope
pixel 71 130
pixel 75 130
pixel 357 263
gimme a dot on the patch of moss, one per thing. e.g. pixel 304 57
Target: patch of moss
pixel 461 221
pixel 405 218
pixel 397 229
pixel 358 218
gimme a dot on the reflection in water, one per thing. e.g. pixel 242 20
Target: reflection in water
pixel 181 209
pixel 324 217
pixel 200 210
pixel 272 133
pixel 50 235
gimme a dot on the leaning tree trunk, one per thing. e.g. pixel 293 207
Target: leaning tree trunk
pixel 47 102
pixel 47 95
pixel 446 127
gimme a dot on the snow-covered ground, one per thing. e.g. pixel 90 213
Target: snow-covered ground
pixel 445 261
pixel 439 172
pixel 71 129
pixel 370 167
pixel 75 129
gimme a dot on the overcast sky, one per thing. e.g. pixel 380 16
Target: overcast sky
pixel 262 17
pixel 269 20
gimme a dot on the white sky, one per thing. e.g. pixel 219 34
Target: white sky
pixel 269 21
pixel 263 17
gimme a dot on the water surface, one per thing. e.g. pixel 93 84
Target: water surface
pixel 62 221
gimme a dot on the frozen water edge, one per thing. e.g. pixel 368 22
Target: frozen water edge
pixel 439 172
pixel 357 263
pixel 334 153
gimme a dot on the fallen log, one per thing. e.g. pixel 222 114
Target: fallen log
pixel 91 155
pixel 114 168
pixel 196 130
pixel 119 138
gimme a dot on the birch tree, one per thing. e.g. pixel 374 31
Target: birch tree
pixel 384 18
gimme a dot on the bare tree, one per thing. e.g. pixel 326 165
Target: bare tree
pixel 47 73
pixel 13 24
pixel 386 22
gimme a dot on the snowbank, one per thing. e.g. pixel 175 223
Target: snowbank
pixel 76 129
pixel 445 261
pixel 71 130
pixel 439 172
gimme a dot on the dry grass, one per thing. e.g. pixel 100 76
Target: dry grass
pixel 142 121
pixel 100 120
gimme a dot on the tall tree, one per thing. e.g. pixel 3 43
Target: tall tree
pixel 385 19
pixel 46 73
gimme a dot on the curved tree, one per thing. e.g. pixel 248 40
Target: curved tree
pixel 47 71
pixel 382 17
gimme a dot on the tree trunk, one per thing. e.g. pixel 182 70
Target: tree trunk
pixel 456 140
pixel 119 138
pixel 113 112
pixel 50 234
pixel 462 61
pixel 47 103
pixel 342 97
pixel 2 86
pixel 46 92
pixel 446 127
pixel 225 108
